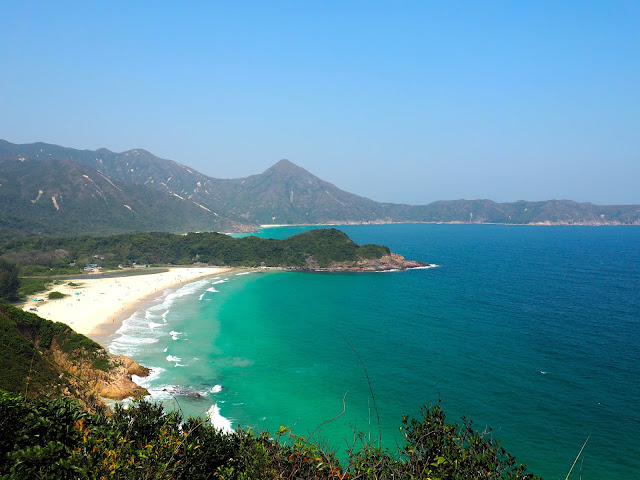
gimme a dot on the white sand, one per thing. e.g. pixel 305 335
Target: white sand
pixel 98 302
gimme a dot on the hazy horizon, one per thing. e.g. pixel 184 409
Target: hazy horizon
pixel 403 103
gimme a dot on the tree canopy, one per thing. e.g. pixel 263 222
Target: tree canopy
pixel 42 255
pixel 9 282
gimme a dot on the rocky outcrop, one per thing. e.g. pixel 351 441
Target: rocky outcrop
pixel 392 261
pixel 117 384
pixel 90 384
pixel 41 358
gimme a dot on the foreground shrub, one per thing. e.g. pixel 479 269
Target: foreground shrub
pixel 56 439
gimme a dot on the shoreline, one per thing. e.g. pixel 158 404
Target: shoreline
pixel 453 222
pixel 96 306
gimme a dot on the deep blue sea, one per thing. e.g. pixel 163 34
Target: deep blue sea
pixel 532 331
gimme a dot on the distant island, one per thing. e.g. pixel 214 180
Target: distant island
pixel 47 189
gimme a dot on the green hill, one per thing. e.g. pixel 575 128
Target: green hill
pixel 53 197
pixel 166 195
pixel 316 248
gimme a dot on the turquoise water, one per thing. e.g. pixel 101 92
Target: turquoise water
pixel 533 331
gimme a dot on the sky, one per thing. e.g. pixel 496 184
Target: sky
pixel 398 101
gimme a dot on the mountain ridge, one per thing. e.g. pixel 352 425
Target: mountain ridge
pixel 284 193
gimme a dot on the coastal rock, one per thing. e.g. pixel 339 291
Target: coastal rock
pixel 92 383
pixel 132 367
pixel 392 261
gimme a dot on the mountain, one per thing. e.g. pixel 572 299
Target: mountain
pixel 168 196
pixel 135 166
pixel 286 193
pixel 550 212
pixel 54 197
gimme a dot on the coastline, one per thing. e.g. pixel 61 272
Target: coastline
pixel 96 306
pixel 453 222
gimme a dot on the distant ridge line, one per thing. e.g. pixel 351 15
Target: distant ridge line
pixel 170 196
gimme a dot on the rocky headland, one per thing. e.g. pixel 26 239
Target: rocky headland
pixel 392 261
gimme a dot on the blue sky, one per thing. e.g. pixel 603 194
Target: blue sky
pixel 406 102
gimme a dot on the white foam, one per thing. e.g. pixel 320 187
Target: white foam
pixel 187 289
pixel 143 327
pixel 171 358
pixel 220 281
pixel 175 335
pixel 217 420
pixel 216 389
pixel 145 381
pixel 433 265
pixel 243 273
pixel 129 344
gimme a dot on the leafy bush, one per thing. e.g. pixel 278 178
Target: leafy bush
pixel 73 342
pixel 29 286
pixel 101 363
pixel 56 295
pixel 47 440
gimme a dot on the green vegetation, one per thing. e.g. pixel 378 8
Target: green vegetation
pixel 9 282
pixel 55 255
pixel 26 364
pixel 56 439
pixel 32 285
pixel 56 295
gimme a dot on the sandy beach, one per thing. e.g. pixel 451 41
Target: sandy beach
pixel 96 306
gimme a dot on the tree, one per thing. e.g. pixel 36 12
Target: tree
pixel 9 282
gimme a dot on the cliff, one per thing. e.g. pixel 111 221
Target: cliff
pixel 40 358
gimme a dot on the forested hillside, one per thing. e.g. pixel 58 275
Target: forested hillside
pixel 100 192
pixel 51 197
pixel 322 247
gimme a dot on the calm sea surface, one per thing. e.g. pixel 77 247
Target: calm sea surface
pixel 532 331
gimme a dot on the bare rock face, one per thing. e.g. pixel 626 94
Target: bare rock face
pixel 132 367
pixel 118 384
pixel 91 384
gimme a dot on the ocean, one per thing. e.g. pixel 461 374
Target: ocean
pixel 531 331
